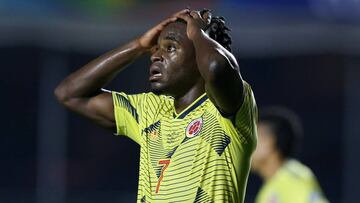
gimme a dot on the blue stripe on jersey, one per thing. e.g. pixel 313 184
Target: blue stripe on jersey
pixel 198 103
pixel 152 127
pixel 125 103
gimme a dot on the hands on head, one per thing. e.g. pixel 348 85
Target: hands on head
pixel 195 20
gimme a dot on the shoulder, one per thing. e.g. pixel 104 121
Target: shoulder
pixel 296 180
pixel 148 102
pixel 298 169
pixel 294 174
pixel 143 97
pixel 248 105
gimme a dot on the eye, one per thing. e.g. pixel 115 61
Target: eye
pixel 170 48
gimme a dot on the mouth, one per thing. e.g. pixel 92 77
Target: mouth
pixel 155 72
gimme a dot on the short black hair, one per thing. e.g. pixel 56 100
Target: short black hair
pixel 286 127
pixel 217 30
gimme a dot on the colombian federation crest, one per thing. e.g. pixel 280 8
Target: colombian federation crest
pixel 194 127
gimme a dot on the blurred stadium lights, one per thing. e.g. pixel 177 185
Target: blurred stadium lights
pixel 325 8
pixel 259 26
pixel 270 3
pixel 337 9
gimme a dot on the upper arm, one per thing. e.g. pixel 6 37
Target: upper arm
pixel 98 108
pixel 128 112
pixel 225 85
pixel 246 118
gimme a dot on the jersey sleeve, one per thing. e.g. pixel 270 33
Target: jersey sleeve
pixel 246 118
pixel 128 112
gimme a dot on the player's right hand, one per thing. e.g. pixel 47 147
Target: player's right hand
pixel 149 39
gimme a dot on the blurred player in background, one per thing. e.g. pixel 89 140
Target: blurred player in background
pixel 196 129
pixel 286 180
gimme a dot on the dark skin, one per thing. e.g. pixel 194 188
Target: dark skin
pixel 185 64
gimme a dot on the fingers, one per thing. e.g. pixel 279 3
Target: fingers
pixel 204 15
pixel 174 17
pixel 166 22
pixel 207 16
pixel 169 20
pixel 184 16
pixel 195 14
pixel 202 18
pixel 182 11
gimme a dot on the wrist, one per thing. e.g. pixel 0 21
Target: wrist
pixel 196 34
pixel 137 45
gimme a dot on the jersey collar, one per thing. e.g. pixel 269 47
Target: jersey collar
pixel 191 107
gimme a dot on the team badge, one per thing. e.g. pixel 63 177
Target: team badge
pixel 194 127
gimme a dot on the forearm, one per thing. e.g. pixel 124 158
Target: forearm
pixel 96 74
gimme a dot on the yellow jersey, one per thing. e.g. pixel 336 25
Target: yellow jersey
pixel 292 183
pixel 194 156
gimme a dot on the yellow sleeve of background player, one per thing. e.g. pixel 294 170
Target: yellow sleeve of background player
pixel 127 111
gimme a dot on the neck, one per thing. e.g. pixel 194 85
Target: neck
pixel 183 101
pixel 271 166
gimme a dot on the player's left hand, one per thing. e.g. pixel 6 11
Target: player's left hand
pixel 195 22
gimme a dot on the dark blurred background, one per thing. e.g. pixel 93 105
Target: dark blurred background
pixel 303 54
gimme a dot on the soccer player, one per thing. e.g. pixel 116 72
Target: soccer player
pixel 196 129
pixel 286 179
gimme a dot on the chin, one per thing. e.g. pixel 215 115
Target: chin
pixel 156 88
pixel 162 88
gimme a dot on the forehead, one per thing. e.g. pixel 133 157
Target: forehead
pixel 174 31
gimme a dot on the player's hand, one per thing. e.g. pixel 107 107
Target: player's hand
pixel 195 22
pixel 149 39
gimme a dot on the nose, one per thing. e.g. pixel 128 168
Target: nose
pixel 156 55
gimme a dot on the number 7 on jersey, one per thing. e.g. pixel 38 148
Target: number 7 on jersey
pixel 165 163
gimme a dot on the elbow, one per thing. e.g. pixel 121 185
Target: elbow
pixel 61 95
